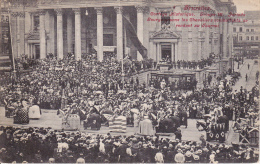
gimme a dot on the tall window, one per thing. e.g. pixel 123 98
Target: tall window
pixel 165 19
pixel 256 38
pixel 252 37
pixel 252 30
pixel 247 30
pixel 240 38
pixel 36 22
pixel 247 38
pixel 240 29
pixel 234 29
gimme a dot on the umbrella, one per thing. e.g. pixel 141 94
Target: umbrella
pixel 134 110
pixel 107 111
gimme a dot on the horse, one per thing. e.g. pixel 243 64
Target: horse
pixel 204 125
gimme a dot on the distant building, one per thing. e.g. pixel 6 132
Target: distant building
pixel 246 35
pixel 5 46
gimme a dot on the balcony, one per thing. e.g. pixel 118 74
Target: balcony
pixel 33 35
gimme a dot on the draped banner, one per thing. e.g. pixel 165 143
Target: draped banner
pixel 131 33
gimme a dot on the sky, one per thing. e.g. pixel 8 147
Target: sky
pixel 243 5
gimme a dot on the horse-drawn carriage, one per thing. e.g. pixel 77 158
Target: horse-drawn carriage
pixel 215 130
pixel 168 125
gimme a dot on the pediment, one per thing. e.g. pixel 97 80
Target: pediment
pixel 163 34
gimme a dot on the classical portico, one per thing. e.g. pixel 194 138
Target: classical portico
pixel 77 30
pixel 59 27
pixel 165 42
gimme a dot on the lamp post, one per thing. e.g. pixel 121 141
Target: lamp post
pixel 123 74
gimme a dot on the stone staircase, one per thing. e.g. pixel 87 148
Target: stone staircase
pixel 5 63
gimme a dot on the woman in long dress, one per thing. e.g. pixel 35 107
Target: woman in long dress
pixel 21 114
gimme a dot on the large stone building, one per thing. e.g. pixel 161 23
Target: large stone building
pixel 40 27
pixel 246 34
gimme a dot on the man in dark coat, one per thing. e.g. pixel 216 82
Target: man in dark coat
pixel 178 134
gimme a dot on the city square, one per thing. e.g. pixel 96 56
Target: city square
pixel 128 82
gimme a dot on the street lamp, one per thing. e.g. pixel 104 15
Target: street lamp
pixel 123 74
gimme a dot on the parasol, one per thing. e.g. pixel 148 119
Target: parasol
pixel 134 110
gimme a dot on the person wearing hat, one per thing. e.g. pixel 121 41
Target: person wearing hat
pixel 179 157
pixel 178 134
pixel 188 157
pixel 80 160
pixel 159 157
pixel 203 140
pixel 212 157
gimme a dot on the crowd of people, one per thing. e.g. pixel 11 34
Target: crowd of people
pixel 43 145
pixel 183 64
pixel 90 86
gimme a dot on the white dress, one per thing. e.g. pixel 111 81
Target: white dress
pixel 34 112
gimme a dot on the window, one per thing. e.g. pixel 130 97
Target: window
pixel 252 37
pixel 234 39
pixel 247 30
pixel 252 30
pixel 108 39
pixel 240 29
pixel 256 38
pixel 7 18
pixel 36 22
pixel 2 18
pixel 234 29
pixel 165 19
pixel 247 38
pixel 240 38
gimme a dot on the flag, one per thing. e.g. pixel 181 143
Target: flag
pixel 131 33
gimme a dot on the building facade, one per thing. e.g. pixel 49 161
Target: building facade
pixel 41 27
pixel 246 35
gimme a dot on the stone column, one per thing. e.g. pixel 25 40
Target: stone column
pixel 140 27
pixel 69 32
pixel 157 52
pixel 42 35
pixel 119 32
pixel 59 34
pixel 207 46
pixel 179 49
pixel 230 38
pixel 32 21
pixel 51 39
pixel 13 21
pixel 99 11
pixel 175 52
pixel 77 34
pixel 190 38
pixel 21 32
pixel 172 52
pixel 158 24
pixel 172 23
pixel 178 10
pixel 224 39
pixel 151 50
pixel 190 58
